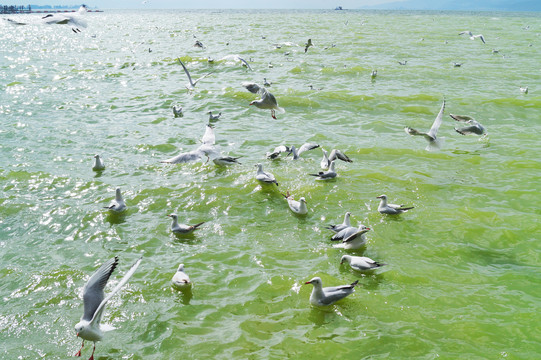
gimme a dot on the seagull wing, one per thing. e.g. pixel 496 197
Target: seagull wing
pixel 127 276
pixel 436 125
pixel 93 294
pixel 307 147
pixel 201 78
pixel 245 63
pixel 192 84
pixel 189 156
pixel 252 87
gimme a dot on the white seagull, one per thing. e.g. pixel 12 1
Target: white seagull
pixel 277 151
pixel 181 280
pixel 267 101
pixel 206 149
pixel 473 37
pixel 391 209
pixel 264 177
pixel 226 160
pixel 335 154
pixel 329 295
pixel 433 142
pixel 326 175
pixel 98 163
pixel 473 126
pixel 352 238
pixel 360 263
pixel 304 147
pixel 94 300
pixel 118 204
pixel 298 207
pixel 75 20
pixel 182 228
pixel 343 225
pixel 191 84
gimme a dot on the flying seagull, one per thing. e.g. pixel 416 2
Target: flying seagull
pixel 473 127
pixel 191 84
pixel 267 101
pixel 430 136
pixel 94 300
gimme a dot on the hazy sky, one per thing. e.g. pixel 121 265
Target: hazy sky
pixel 210 4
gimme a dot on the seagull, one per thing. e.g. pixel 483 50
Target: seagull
pixel 307 45
pixel 181 280
pixel 264 177
pixel 351 237
pixel 177 111
pixel 360 263
pixel 267 101
pixel 206 149
pixel 305 147
pixel 73 19
pixel 182 228
pixel 226 160
pixel 198 44
pixel 213 117
pixel 191 84
pixel 473 126
pixel 266 83
pixel 473 37
pixel 391 209
pixel 455 64
pixel 430 136
pixel 326 175
pixel 118 204
pixel 94 300
pixel 335 154
pixel 329 295
pixel 524 90
pixel 373 74
pixel 343 225
pixel 245 63
pixel 298 207
pixel 403 62
pixel 277 151
pixel 98 163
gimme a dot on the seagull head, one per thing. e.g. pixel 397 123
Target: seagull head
pixel 174 217
pixel 315 281
pixel 180 267
pixel 382 197
pixel 345 258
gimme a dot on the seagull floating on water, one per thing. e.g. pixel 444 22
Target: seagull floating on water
pixel 473 126
pixel 181 280
pixel 326 175
pixel 391 209
pixel 182 228
pixel 94 301
pixel 298 207
pixel 177 111
pixel 226 160
pixel 213 117
pixel 264 177
pixel 267 101
pixel 351 237
pixel 433 142
pixel 339 227
pixel 335 154
pixel 191 84
pixel 98 163
pixel 524 90
pixel 323 296
pixel 118 204
pixel 360 263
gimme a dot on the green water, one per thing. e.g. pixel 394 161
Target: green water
pixel 462 279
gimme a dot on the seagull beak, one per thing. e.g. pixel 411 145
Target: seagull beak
pixel 306 283
pixel 77 334
pixel 378 197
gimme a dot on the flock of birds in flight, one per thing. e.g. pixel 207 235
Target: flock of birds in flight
pixel 348 237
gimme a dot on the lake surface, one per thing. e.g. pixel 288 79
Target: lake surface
pixel 462 278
